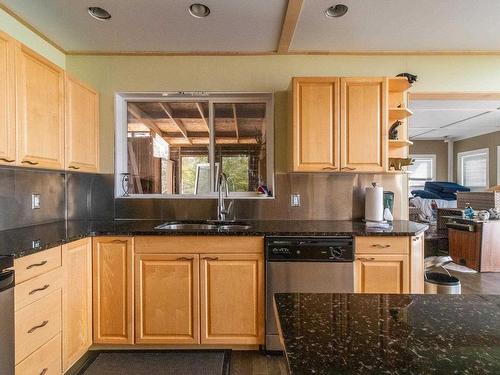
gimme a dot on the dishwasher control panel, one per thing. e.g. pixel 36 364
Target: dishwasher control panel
pixel 313 249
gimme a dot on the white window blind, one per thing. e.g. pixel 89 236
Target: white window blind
pixel 424 169
pixel 473 168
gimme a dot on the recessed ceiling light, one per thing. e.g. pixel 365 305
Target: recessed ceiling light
pixel 199 10
pixel 99 13
pixel 336 11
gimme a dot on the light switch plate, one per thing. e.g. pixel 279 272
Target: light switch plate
pixel 35 201
pixel 295 200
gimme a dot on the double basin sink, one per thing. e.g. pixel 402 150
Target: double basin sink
pixel 208 226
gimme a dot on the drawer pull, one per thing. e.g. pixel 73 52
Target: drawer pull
pixel 7 160
pixel 29 162
pixel 379 246
pixel 348 169
pixel 329 168
pixel 42 263
pixel 44 371
pixel 184 258
pixel 73 167
pixel 39 289
pixel 366 259
pixel 210 258
pixel 43 324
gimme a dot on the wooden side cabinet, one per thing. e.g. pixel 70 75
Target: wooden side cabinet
pixel 382 273
pixel 82 127
pixel 40 110
pixel 363 124
pixel 76 300
pixel 113 290
pixel 167 298
pixel 7 100
pixel 232 299
pixel 316 135
pixel 417 269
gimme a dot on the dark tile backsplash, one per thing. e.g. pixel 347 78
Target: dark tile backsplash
pixel 71 195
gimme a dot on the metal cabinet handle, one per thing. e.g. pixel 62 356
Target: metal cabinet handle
pixel 43 324
pixel 42 263
pixel 348 169
pixel 73 167
pixel 29 162
pixel 44 371
pixel 7 160
pixel 210 258
pixel 39 289
pixel 377 245
pixel 184 258
pixel 370 258
pixel 329 168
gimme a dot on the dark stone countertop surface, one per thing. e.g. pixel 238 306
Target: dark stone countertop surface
pixel 28 240
pixel 390 334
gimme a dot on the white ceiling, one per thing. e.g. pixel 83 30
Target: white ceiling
pixel 453 119
pixel 255 25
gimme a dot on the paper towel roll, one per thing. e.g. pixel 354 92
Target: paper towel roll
pixel 374 203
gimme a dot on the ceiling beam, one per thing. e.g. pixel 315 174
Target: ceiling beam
pixel 144 118
pixel 169 112
pixel 289 24
pixel 200 109
pixel 236 128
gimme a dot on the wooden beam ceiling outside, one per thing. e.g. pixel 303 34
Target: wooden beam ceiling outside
pixel 289 24
pixel 200 109
pixel 168 110
pixel 236 124
pixel 144 118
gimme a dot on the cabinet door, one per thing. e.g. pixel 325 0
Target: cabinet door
pixel 417 264
pixel 82 127
pixel 363 124
pixel 232 299
pixel 40 111
pixel 316 124
pixel 113 290
pixel 7 100
pixel 77 300
pixel 167 298
pixel 382 273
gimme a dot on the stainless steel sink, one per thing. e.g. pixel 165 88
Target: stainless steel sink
pixel 234 227
pixel 187 226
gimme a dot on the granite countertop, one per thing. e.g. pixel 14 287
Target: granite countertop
pixel 28 240
pixel 390 334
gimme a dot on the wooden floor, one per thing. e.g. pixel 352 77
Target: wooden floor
pixel 255 363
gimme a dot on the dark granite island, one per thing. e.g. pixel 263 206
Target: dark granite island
pixel 390 334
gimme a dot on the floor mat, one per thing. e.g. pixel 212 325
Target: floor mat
pixel 188 362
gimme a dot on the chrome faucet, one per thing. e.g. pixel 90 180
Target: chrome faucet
pixel 223 190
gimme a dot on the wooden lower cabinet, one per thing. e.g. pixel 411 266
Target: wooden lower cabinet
pixel 232 299
pixel 167 298
pixel 46 360
pixel 417 269
pixel 76 300
pixel 377 273
pixel 113 290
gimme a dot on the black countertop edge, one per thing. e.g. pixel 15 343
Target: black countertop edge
pixel 29 240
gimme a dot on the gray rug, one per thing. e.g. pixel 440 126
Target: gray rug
pixel 161 362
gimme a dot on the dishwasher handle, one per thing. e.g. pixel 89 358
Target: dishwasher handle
pixel 459 226
pixel 6 280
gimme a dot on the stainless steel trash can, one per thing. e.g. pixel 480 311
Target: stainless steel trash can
pixel 441 283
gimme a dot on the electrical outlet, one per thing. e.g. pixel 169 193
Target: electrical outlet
pixel 35 244
pixel 35 201
pixel 295 200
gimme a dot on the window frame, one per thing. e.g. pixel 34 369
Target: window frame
pixel 433 158
pixel 213 97
pixel 460 177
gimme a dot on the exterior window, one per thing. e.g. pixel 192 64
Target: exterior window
pixel 473 169
pixel 177 144
pixel 422 171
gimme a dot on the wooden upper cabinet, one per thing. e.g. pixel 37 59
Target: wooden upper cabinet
pixel 232 299
pixel 113 290
pixel 76 300
pixel 167 298
pixel 382 273
pixel 7 100
pixel 363 124
pixel 82 127
pixel 40 110
pixel 316 136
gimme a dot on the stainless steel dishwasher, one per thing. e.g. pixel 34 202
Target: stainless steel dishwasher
pixel 305 265
pixel 6 316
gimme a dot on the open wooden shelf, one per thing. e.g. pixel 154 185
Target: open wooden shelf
pixel 399 142
pixel 399 113
pixel 398 84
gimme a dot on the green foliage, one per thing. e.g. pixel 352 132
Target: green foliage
pixel 236 169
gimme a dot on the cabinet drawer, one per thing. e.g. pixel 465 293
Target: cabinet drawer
pixel 46 360
pixel 37 288
pixel 37 323
pixel 33 265
pixel 382 245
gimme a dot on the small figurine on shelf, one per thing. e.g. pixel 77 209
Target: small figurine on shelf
pixel 412 78
pixel 397 164
pixel 468 212
pixel 393 131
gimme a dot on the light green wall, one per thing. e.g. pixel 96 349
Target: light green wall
pixel 14 28
pixel 110 74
